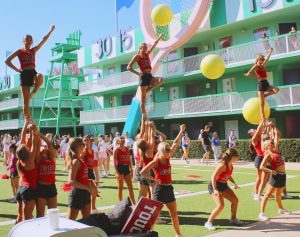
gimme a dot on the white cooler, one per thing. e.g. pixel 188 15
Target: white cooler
pixel 40 227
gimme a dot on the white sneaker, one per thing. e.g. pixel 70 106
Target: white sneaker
pixel 209 226
pixel 286 196
pixel 283 212
pixel 256 197
pixel 262 217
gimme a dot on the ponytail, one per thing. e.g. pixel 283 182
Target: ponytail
pixel 227 156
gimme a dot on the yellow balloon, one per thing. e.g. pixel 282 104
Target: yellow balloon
pixel 161 15
pixel 212 66
pixel 251 110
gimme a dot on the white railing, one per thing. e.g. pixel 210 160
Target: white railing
pixel 285 45
pixel 115 81
pixel 11 124
pixel 224 103
pixel 10 104
pixel 238 55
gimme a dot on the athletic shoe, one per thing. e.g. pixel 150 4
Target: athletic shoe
pixel 256 197
pixel 283 212
pixel 209 226
pixel 12 200
pixel 236 222
pixel 286 196
pixel 262 217
pixel 179 236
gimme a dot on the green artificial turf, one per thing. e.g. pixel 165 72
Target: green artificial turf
pixel 193 210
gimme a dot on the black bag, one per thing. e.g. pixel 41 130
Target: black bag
pixel 99 220
pixel 119 215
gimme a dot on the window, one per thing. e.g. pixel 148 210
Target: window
pixel 14 96
pixel 190 51
pixel 228 85
pixel 285 28
pixel 124 67
pixel 126 99
pixel 257 34
pixel 192 90
pixel 225 42
pixel 112 101
pixel 14 115
pixel 291 76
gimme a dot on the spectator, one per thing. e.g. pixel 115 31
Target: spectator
pixel 6 142
pixel 265 42
pixel 279 43
pixel 216 147
pixel 232 139
pixel 186 143
pixel 293 39
pixel 206 144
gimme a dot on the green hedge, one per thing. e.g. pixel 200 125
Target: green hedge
pixel 290 149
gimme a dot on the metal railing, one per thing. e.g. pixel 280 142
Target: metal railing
pixel 234 56
pixel 288 96
pixel 10 104
pixel 238 55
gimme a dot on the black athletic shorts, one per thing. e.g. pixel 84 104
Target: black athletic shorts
pixel 27 77
pixel 46 191
pixel 220 187
pixel 14 174
pixel 91 174
pixel 278 180
pixel 145 79
pixel 123 169
pixel 79 198
pixel 26 193
pixel 257 161
pixel 263 85
pixel 144 181
pixel 163 193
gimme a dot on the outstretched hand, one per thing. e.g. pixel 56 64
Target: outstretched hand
pixel 52 28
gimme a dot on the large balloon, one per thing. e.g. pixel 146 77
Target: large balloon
pixel 251 110
pixel 212 66
pixel 161 15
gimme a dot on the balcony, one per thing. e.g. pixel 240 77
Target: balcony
pixel 18 124
pixel 115 81
pixel 284 46
pixel 288 97
pixel 11 104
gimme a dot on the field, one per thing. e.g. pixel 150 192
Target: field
pixel 193 201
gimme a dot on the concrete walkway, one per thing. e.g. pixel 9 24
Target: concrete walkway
pixel 284 225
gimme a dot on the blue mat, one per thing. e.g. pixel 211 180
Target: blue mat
pixel 134 118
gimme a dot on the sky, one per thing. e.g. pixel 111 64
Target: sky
pixel 95 19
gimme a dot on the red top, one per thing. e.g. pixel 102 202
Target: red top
pixel 27 58
pixel 277 161
pixel 258 149
pixel 82 173
pixel 89 159
pixel 13 163
pixel 29 178
pixel 46 171
pixel 163 171
pixel 147 160
pixel 261 72
pixel 138 157
pixel 143 62
pixel 224 176
pixel 123 157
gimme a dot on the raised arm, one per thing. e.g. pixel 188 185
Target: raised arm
pixel 154 44
pixel 49 145
pixel 10 58
pixel 130 66
pixel 152 132
pixel 23 133
pixel 257 134
pixel 45 38
pixel 162 135
pixel 177 139
pixel 268 57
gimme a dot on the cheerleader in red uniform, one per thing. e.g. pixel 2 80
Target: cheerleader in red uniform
pixel 163 190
